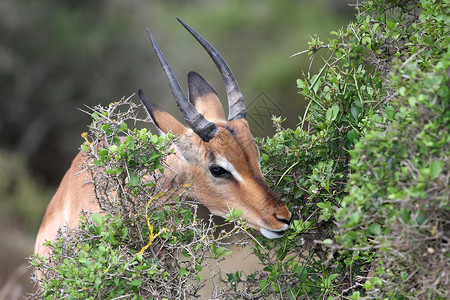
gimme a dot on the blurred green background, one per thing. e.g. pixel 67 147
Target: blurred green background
pixel 57 56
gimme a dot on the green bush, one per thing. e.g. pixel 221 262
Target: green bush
pixel 366 170
pixel 148 244
pixel 365 174
pixel 398 192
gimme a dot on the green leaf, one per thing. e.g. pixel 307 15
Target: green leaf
pixel 404 275
pixel 402 91
pixel 375 28
pixel 133 179
pixel 405 214
pixel 103 152
pixel 353 136
pixel 315 79
pixel 332 277
pixel 332 112
pixel 113 148
pixel 97 219
pixel 378 281
pixel 355 296
pixel 433 81
pixel 220 251
pixel 234 214
pixel 154 157
pixel 136 282
pixel 106 127
pixel 123 127
pixel 355 111
pixel 324 205
pixel 355 218
pixel 183 272
pixel 375 229
pixel 435 169
pixel 390 112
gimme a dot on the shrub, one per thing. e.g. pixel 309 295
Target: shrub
pixel 149 242
pixel 366 170
pixel 399 181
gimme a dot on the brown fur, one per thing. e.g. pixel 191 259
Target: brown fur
pixel 72 196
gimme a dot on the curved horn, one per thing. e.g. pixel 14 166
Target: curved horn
pixel 203 128
pixel 236 103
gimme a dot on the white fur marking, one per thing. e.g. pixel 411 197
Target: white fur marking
pixel 230 168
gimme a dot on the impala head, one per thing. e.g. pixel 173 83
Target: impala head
pixel 217 154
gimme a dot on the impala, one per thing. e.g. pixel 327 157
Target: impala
pixel 218 155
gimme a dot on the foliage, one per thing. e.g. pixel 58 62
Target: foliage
pixel 146 243
pixel 366 170
pixel 398 191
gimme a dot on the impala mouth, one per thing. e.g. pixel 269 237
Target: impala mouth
pixel 272 234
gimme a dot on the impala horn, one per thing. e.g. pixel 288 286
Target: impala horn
pixel 236 103
pixel 205 129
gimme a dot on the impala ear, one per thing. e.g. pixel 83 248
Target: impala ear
pixel 162 119
pixel 204 98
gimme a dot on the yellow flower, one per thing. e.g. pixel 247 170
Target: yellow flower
pixel 84 136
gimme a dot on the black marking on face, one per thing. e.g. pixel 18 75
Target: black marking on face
pixel 231 130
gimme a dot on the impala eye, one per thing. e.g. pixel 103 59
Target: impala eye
pixel 218 171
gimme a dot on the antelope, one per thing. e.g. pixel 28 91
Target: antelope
pixel 217 155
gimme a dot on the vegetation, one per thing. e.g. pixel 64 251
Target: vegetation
pixel 369 177
pixel 365 173
pixel 149 244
